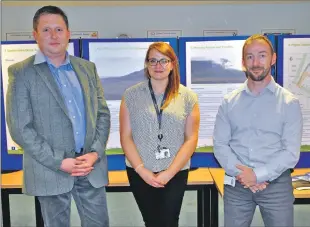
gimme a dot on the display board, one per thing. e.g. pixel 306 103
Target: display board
pixel 293 71
pixel 212 67
pixel 13 52
pixel 120 65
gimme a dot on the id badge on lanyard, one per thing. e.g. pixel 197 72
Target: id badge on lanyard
pixel 160 152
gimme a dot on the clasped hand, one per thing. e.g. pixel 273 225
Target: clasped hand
pixel 158 180
pixel 80 166
pixel 248 179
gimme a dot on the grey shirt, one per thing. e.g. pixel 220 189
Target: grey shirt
pixel 262 132
pixel 144 124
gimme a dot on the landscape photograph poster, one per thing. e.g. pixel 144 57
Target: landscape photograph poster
pixel 120 65
pixel 213 69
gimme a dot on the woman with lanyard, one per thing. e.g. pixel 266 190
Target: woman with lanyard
pixel 159 124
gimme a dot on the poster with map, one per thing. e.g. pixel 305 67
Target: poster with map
pixel 296 76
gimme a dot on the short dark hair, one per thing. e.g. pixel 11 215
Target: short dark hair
pixel 49 10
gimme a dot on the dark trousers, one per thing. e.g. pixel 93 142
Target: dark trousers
pixel 160 207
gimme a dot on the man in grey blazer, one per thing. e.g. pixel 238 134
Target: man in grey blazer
pixel 57 113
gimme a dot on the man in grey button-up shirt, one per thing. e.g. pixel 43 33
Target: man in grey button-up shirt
pixel 257 140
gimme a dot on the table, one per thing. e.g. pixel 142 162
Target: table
pixel 199 180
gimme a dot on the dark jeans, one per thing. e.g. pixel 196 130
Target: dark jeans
pixel 160 207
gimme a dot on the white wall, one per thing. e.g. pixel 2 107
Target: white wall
pixel 110 21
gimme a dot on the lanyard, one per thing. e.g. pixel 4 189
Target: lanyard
pixel 158 112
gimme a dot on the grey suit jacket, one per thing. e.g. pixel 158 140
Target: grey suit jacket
pixel 38 121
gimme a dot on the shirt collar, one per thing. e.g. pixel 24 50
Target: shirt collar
pixel 271 86
pixel 41 58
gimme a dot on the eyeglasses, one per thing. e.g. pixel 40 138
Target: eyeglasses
pixel 163 62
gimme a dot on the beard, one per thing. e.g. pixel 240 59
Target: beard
pixel 261 77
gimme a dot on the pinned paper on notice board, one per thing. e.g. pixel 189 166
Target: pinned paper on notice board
pixel 220 32
pixel 278 31
pixel 164 33
pixel 84 34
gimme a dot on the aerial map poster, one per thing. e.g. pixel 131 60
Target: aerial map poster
pixel 10 54
pixel 213 69
pixel 296 76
